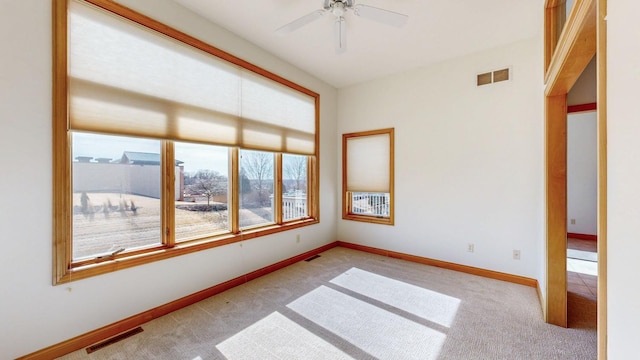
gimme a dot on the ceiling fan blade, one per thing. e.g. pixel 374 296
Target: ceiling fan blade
pixel 340 35
pixel 380 15
pixel 298 23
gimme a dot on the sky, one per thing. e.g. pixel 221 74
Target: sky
pixel 195 156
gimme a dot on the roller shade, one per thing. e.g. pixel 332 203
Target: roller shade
pixel 130 80
pixel 369 163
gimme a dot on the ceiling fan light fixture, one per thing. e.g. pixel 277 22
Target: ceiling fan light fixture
pixel 340 35
pixel 338 9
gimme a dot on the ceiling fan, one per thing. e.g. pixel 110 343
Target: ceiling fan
pixel 338 8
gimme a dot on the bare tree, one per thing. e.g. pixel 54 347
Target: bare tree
pixel 245 183
pixel 259 167
pixel 295 168
pixel 209 183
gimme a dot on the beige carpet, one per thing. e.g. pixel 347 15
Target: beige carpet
pixel 348 304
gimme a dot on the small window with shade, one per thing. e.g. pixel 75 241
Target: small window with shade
pixel 367 176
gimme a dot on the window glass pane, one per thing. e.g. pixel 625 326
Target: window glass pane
pixel 372 204
pixel 116 194
pixel 256 188
pixel 202 188
pixel 294 187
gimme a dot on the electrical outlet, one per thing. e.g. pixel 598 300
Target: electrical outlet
pixel 297 238
pixel 470 247
pixel 573 221
pixel 516 254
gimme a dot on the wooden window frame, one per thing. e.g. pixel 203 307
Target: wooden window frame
pixel 64 269
pixel 555 16
pixel 347 213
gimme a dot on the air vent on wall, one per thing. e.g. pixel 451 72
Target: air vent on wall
pixel 493 77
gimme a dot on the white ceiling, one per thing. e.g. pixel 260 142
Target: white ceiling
pixel 436 30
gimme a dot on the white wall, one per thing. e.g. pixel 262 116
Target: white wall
pixel 582 156
pixel 36 314
pixel 584 90
pixel 582 173
pixel 468 160
pixel 623 179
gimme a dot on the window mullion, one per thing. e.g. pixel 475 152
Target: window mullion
pixel 168 207
pixel 234 192
pixel 311 211
pixel 277 190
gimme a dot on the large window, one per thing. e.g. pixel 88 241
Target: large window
pixel 367 170
pixel 164 145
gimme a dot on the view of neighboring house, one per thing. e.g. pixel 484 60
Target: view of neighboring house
pixel 135 173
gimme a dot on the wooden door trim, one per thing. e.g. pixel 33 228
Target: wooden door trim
pixel 556 198
pixel 575 48
pixel 602 177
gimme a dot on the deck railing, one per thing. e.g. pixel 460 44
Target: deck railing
pixel 293 206
pixel 374 204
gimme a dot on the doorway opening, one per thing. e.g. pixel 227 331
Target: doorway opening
pixel 582 203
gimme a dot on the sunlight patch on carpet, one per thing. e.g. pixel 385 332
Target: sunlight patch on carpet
pixel 374 330
pixel 277 337
pixel 427 304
